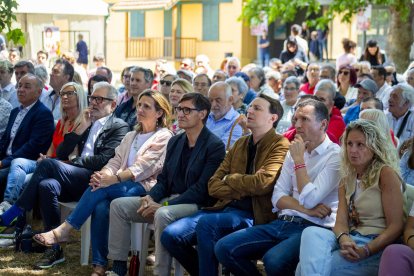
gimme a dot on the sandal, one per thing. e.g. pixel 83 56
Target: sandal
pixel 40 239
pixel 98 270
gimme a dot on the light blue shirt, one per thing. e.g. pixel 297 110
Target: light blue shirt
pixel 9 93
pixel 407 174
pixel 5 109
pixel 96 129
pixel 52 102
pixel 221 128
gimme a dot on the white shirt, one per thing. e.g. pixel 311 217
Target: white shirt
pixel 17 122
pixel 139 140
pixel 322 166
pixel 395 124
pixel 383 94
pixel 93 135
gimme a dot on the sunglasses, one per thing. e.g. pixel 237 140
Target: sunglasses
pixel 165 82
pixel 346 73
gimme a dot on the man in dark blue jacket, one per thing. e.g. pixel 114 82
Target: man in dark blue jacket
pixel 192 158
pixel 30 127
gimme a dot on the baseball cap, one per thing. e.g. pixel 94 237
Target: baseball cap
pixel 369 85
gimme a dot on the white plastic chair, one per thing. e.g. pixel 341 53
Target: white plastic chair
pixel 66 208
pixel 140 235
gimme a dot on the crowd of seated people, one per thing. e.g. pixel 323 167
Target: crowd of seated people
pixel 297 164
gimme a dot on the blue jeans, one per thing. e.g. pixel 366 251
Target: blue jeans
pixel 203 229
pixel 319 255
pixel 97 204
pixel 20 168
pixel 277 243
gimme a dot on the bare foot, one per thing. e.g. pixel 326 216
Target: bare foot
pixel 50 238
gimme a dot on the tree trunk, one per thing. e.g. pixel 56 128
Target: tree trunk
pixel 400 39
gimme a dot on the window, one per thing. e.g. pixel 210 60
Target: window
pixel 137 24
pixel 210 21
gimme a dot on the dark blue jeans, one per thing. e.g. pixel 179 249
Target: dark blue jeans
pixel 277 243
pixel 203 229
pixel 53 180
pixel 97 204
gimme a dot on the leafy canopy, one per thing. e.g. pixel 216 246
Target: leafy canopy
pixel 286 10
pixel 7 15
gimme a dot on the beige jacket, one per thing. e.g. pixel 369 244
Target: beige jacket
pixel 148 160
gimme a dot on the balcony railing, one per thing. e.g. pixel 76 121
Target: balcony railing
pixel 163 47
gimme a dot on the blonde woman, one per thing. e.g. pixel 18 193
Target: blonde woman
pixel 179 87
pixel 73 102
pixel 370 210
pixel 131 172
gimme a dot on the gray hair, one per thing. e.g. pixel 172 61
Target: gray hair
pixel 148 75
pixel 233 59
pixel 240 83
pixel 294 80
pixel 226 86
pixel 39 82
pixel 331 69
pixel 407 91
pixel 112 93
pixel 7 65
pixel 328 86
pixel 273 75
pixel 41 72
pixel 82 101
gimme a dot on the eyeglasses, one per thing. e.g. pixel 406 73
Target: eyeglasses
pixel 346 73
pixel 185 110
pixel 127 76
pixel 68 94
pixel 98 100
pixel 289 89
pixel 202 84
pixel 165 82
pixel 389 73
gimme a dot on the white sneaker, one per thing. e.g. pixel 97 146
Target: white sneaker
pixel 4 206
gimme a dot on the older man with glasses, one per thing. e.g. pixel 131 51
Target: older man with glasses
pixel 83 151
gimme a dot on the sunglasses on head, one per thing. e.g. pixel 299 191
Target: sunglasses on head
pixel 165 82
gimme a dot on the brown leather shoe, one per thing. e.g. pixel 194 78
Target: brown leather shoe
pixel 98 271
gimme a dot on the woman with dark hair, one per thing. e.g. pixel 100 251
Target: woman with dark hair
pixel 292 52
pixel 131 172
pixel 93 80
pixel 346 79
pixel 373 54
pixel 347 58
pixel 258 82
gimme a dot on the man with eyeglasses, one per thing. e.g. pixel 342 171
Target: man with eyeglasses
pixel 29 129
pixel 201 84
pixel 242 185
pixel 192 158
pixel 83 151
pixel 62 72
pixel 222 120
pixel 141 79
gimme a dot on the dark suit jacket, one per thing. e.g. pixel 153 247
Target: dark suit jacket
pixel 205 158
pixel 110 137
pixel 33 136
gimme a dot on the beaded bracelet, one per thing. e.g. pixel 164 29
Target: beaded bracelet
pixel 299 166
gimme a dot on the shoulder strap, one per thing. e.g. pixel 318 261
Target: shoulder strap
pixel 404 122
pixel 231 131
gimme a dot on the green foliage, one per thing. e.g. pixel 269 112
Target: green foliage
pixel 286 10
pixel 7 15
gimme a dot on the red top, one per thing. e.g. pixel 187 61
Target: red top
pixel 58 137
pixel 307 89
pixel 335 129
